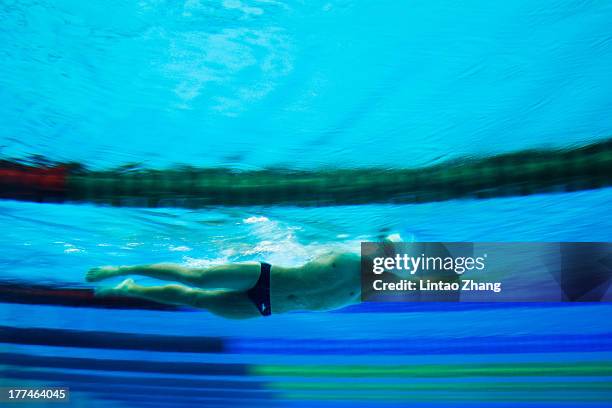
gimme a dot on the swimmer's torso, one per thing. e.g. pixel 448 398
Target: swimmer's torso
pixel 331 282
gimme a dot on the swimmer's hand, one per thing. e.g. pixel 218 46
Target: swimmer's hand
pixel 393 238
pixel 101 273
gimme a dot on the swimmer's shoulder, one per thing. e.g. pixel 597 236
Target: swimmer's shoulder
pixel 346 257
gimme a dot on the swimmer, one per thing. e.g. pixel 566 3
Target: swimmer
pixel 245 290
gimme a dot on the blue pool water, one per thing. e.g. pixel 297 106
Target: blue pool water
pixel 308 85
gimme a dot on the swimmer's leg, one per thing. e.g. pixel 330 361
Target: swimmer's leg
pixel 171 294
pixel 163 271
pixel 234 305
pixel 236 277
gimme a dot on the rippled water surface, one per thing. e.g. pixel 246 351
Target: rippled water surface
pixel 308 85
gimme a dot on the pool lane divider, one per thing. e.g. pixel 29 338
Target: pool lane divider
pixel 48 376
pixel 557 398
pixel 118 365
pixel 463 370
pixel 530 369
pixel 153 387
pixel 110 340
pixel 511 174
pixel 22 293
pixel 476 345
pixel 309 385
pixel 500 382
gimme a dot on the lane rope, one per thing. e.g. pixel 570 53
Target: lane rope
pixel 514 174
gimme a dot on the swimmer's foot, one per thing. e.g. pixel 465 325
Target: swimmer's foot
pixel 101 273
pixel 121 289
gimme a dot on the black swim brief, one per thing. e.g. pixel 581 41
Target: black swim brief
pixel 260 293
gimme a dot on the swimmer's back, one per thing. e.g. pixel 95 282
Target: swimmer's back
pixel 329 282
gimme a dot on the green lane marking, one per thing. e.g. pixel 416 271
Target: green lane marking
pixel 468 387
pixel 454 397
pixel 440 370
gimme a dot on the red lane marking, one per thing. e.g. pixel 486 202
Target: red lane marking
pixel 35 178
